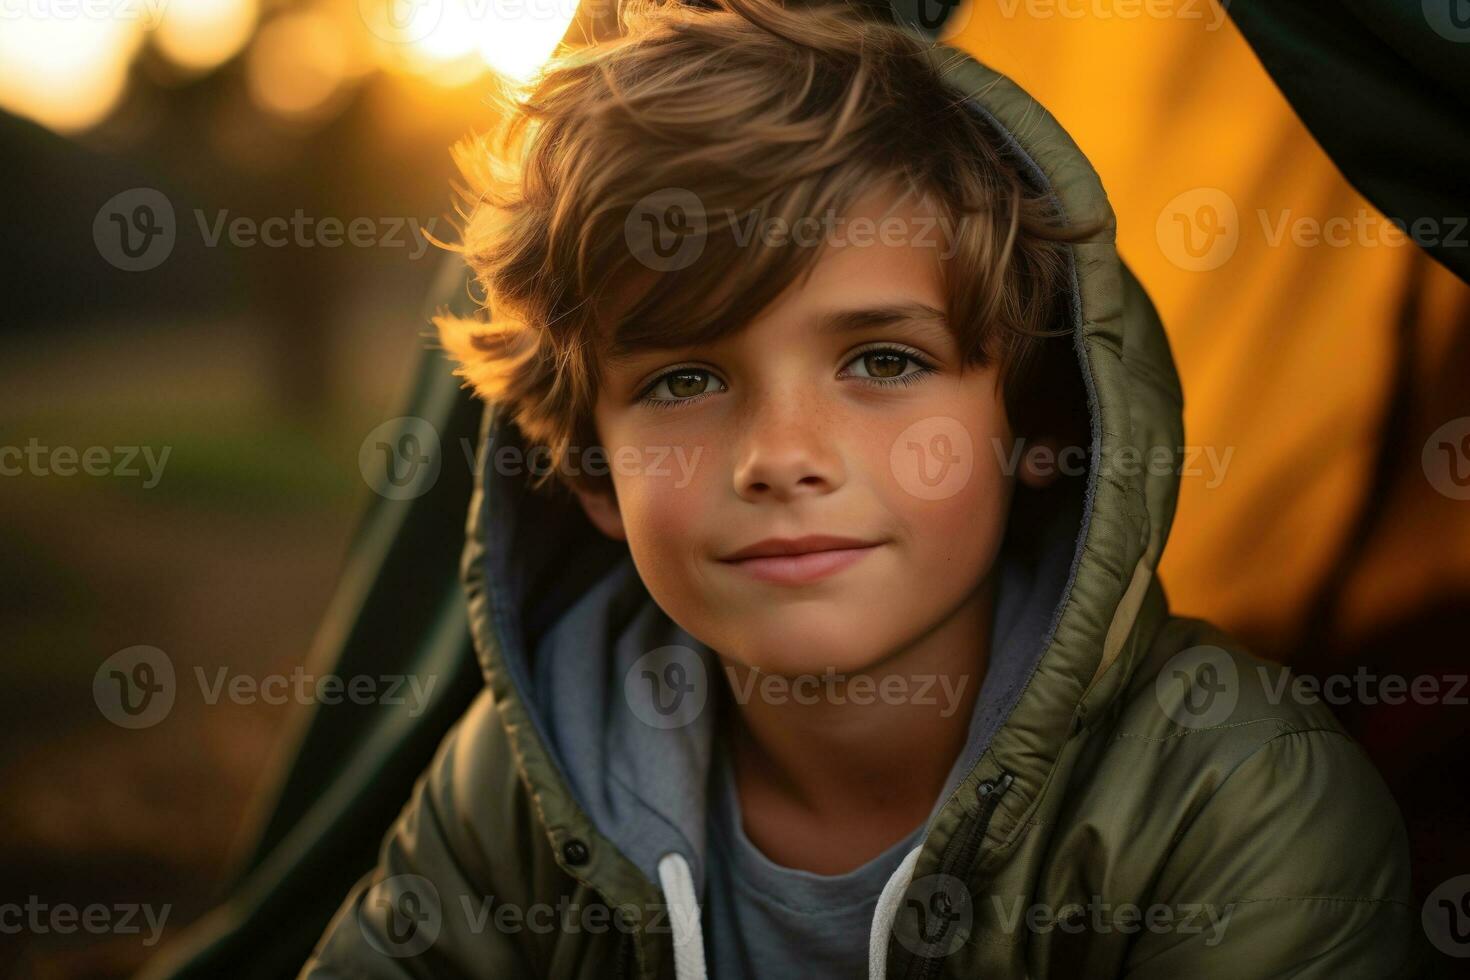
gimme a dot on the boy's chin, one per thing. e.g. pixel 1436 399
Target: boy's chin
pixel 789 654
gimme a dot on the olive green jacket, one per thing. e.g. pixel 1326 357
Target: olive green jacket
pixel 1155 805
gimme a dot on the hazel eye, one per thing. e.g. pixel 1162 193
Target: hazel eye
pixel 680 385
pixel 883 364
pixel 888 365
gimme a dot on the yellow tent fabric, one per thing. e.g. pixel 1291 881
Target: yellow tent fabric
pixel 1281 289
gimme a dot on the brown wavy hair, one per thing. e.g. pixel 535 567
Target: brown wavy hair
pixel 749 109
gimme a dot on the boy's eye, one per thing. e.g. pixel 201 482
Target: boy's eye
pixel 875 366
pixel 882 365
pixel 679 385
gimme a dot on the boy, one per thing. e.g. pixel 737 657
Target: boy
pixel 826 640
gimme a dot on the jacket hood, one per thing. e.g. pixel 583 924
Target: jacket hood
pixel 564 627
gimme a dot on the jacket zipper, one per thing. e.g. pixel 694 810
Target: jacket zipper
pixel 965 852
pixel 624 947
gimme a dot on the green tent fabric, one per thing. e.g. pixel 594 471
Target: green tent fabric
pixel 1380 88
pixel 1385 89
pixel 399 609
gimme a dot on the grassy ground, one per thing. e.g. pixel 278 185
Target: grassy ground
pixel 227 562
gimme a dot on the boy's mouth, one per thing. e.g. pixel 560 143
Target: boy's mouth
pixel 796 561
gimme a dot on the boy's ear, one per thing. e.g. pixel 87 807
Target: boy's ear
pixel 602 510
pixel 1040 462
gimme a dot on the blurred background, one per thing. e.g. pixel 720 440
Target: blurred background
pixel 218 243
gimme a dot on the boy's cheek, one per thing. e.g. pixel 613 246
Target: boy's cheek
pixel 662 513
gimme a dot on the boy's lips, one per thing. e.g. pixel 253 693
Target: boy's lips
pixel 795 561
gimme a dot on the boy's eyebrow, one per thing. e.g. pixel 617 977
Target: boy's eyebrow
pixel 842 321
pixel 836 321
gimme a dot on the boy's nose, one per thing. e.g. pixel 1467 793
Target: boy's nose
pixel 793 461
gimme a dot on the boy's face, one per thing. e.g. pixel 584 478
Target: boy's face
pixel 786 429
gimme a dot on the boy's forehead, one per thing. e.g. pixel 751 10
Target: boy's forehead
pixel 859 280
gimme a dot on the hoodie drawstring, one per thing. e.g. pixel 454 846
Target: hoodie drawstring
pixel 886 912
pixel 685 916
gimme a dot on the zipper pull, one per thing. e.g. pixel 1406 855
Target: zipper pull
pixel 991 786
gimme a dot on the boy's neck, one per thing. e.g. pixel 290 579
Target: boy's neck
pixel 827 785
